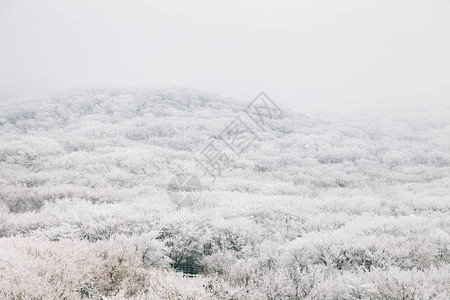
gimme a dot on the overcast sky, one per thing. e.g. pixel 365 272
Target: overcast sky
pixel 302 52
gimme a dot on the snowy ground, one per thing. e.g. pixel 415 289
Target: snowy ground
pixel 327 204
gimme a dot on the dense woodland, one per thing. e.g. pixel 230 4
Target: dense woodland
pixel 327 204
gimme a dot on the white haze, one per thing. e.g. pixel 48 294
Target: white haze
pixel 299 52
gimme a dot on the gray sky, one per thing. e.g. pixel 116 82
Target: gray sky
pixel 299 52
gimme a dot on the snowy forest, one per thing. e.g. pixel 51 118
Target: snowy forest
pixel 327 204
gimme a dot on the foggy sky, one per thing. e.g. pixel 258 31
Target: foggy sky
pixel 299 52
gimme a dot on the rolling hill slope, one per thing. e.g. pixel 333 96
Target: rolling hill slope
pixel 322 205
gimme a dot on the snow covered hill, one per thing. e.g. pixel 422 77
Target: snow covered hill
pixel 323 205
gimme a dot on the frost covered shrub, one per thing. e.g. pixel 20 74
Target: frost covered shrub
pixel 118 268
pixel 170 285
pixel 386 284
pixel 20 201
pixel 152 251
pixel 274 284
pixel 73 269
pixel 185 244
pixel 32 269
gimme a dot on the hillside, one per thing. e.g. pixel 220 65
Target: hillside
pixel 350 204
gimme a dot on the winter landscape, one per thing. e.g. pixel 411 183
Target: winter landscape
pixel 224 149
pixel 325 204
